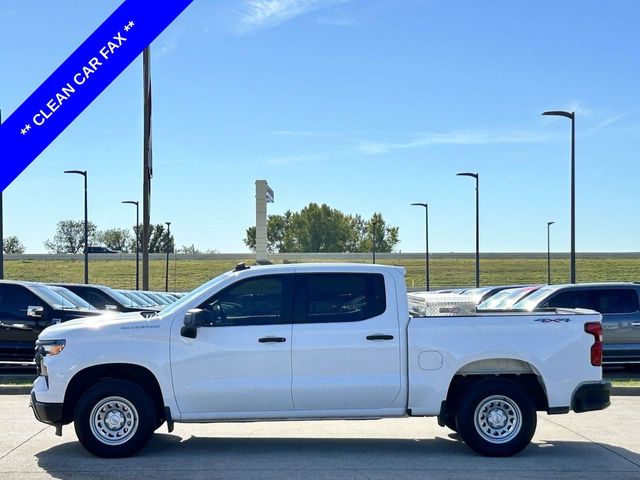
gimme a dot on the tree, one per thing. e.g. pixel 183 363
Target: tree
pixel 69 237
pixel 386 238
pixel 159 239
pixel 320 228
pixel 12 244
pixel 189 249
pixel 279 234
pixel 119 239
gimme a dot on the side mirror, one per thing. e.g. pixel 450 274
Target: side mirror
pixel 196 317
pixel 35 312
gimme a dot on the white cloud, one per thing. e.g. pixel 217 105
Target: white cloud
pixel 606 122
pixel 269 13
pixel 579 109
pixel 459 137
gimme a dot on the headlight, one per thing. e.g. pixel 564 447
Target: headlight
pixel 50 347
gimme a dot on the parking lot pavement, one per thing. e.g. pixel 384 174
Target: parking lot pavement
pixel 585 446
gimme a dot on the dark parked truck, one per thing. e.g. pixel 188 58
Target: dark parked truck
pixel 105 298
pixel 26 309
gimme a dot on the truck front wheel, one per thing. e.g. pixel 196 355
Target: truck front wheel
pixel 496 418
pixel 114 418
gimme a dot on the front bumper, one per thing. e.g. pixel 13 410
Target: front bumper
pixel 591 396
pixel 50 413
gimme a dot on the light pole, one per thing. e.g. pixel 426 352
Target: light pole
pixel 549 252
pixel 572 117
pixel 137 204
pixel 166 272
pixel 477 177
pixel 86 224
pixel 426 254
pixel 373 240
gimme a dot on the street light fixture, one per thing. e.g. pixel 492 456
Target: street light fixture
pixel 86 224
pixel 477 177
pixel 426 254
pixel 572 117
pixel 549 252
pixel 166 272
pixel 137 204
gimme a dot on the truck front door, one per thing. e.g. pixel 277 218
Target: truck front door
pixel 346 342
pixel 241 361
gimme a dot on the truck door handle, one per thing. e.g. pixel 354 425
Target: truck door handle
pixel 272 339
pixel 379 337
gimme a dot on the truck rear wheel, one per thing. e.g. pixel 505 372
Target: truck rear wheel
pixel 496 418
pixel 114 418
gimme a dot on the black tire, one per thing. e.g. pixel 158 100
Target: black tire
pixel 513 414
pixel 130 411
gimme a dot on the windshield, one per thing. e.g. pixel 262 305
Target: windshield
pixel 156 298
pixel 187 298
pixel 146 299
pixel 68 295
pixel 496 301
pixel 57 300
pixel 135 301
pixel 531 302
pixel 123 299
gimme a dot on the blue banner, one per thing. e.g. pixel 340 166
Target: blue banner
pixel 79 80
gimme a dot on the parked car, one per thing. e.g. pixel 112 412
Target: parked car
pixel 27 308
pixel 105 298
pixel 135 299
pixel 97 249
pixel 146 299
pixel 157 298
pixel 315 341
pixel 505 299
pixel 617 302
pixel 480 294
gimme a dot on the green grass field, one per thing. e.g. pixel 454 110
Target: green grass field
pixel 185 274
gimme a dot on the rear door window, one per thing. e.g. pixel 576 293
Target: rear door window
pixel 605 300
pixel 342 297
pixel 615 300
pixel 569 299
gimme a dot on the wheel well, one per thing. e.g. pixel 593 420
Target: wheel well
pixel 87 378
pixel 530 382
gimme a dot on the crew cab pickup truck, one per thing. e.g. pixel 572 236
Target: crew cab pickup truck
pixel 315 341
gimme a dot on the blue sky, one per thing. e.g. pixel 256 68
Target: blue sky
pixel 366 105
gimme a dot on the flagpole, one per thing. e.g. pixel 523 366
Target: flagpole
pixel 147 172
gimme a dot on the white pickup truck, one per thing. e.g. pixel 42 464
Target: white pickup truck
pixel 321 341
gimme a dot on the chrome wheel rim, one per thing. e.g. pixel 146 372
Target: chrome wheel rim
pixel 498 419
pixel 114 420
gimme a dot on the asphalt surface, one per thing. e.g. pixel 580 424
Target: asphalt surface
pixel 594 445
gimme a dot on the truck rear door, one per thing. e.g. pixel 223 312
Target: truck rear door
pixel 346 345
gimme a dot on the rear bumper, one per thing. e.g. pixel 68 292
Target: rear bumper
pixel 591 396
pixel 50 413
